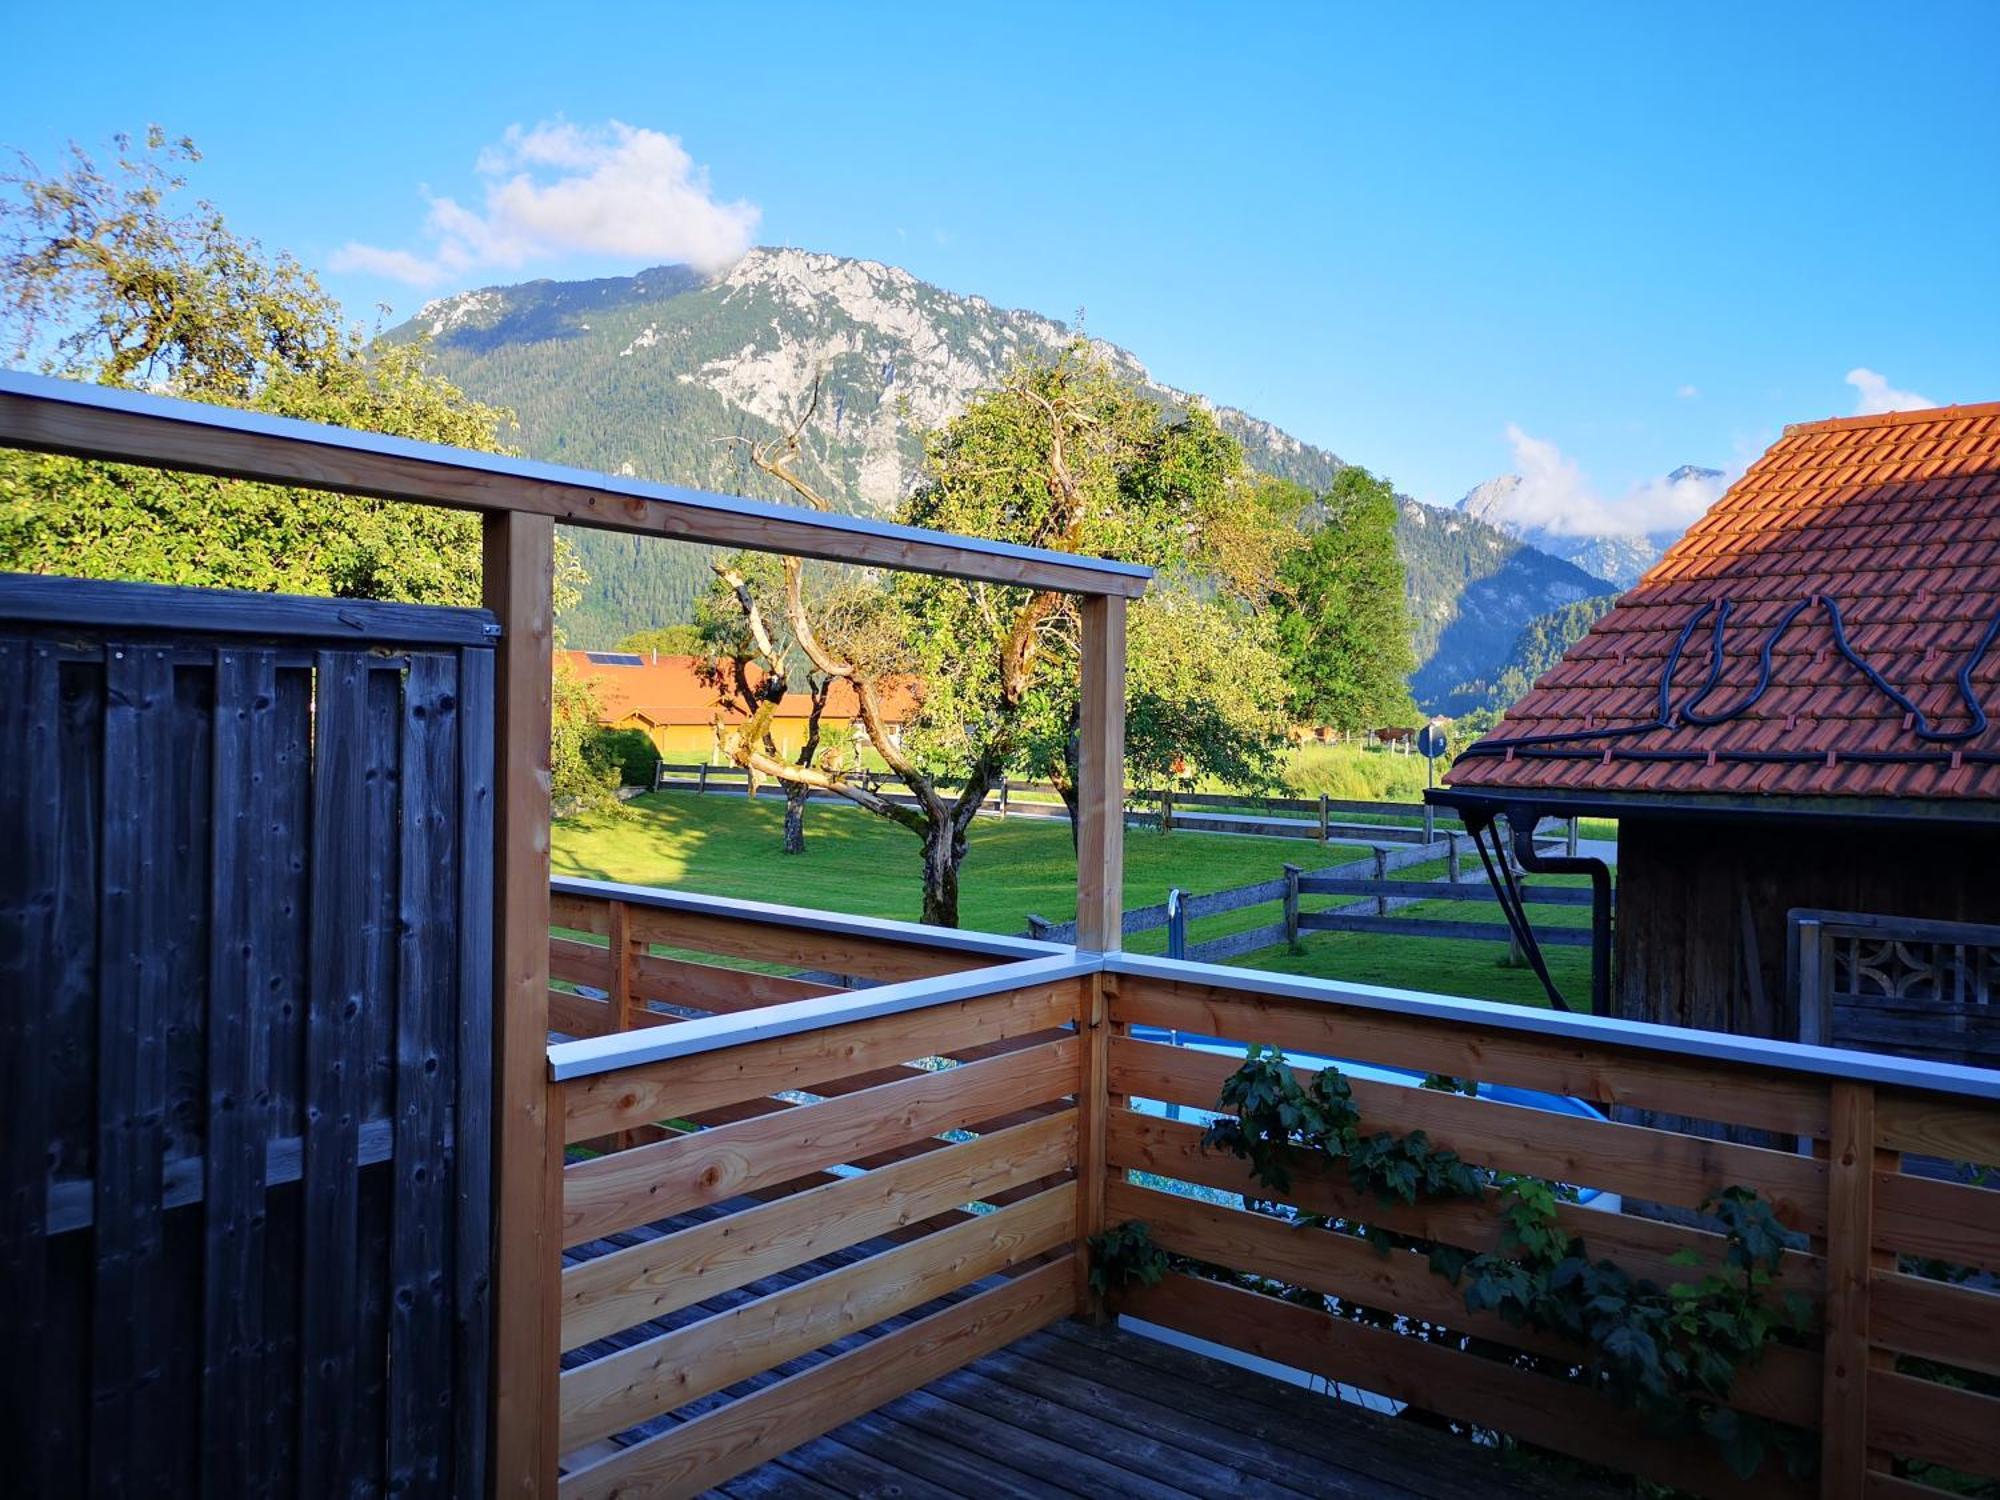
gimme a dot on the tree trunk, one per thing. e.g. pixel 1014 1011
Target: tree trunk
pixel 944 852
pixel 795 817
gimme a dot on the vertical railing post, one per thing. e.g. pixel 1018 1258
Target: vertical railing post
pixel 518 569
pixel 1849 1252
pixel 1100 841
pixel 1292 873
pixel 701 777
pixel 622 958
pixel 1003 799
pixel 1572 835
pixel 1322 817
pixel 1451 858
pixel 621 955
pixel 1381 873
pixel 1430 825
pixel 1167 808
pixel 1096 993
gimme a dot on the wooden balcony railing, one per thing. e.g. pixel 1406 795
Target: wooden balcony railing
pixel 729 956
pixel 923 1160
pixel 1869 1385
pixel 747 1146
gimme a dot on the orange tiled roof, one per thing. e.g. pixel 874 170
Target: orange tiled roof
pixel 1890 524
pixel 669 690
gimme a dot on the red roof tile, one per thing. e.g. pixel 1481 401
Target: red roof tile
pixel 1896 520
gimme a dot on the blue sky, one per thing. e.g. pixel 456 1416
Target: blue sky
pixel 1633 236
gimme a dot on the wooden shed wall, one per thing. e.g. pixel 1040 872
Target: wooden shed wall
pixel 1700 932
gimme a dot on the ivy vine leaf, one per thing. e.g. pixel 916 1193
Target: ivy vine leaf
pixel 1449 1262
pixel 1124 1254
pixel 1741 1439
pixel 1634 1353
pixel 1798 1312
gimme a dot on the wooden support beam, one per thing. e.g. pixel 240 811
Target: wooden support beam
pixel 519 571
pixel 49 415
pixel 1100 833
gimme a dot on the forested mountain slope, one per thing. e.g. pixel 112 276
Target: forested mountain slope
pixel 653 374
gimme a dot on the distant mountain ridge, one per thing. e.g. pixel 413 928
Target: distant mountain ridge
pixel 1473 589
pixel 653 374
pixel 1622 557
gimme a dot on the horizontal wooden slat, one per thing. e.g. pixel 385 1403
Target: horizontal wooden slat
pixel 1955 1129
pixel 1426 927
pixel 578 962
pixel 1784 1385
pixel 802 948
pixel 1945 1220
pixel 611 1394
pixel 1881 1485
pixel 605 1102
pixel 615 1192
pixel 1956 1325
pixel 713 987
pixel 720 1444
pixel 1914 1418
pixel 579 914
pixel 1439 890
pixel 1605 1075
pixel 1538 1409
pixel 1645 1247
pixel 661 1276
pixel 1633 1159
pixel 578 1015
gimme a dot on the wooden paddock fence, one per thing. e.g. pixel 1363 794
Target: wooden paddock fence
pixel 1327 819
pixel 1367 878
pixel 1386 918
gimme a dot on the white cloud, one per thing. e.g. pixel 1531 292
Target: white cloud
pixel 1874 395
pixel 558 189
pixel 1688 392
pixel 1555 495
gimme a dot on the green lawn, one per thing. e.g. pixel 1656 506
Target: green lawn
pixel 724 844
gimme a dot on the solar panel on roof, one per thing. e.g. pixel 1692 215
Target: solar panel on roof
pixel 615 658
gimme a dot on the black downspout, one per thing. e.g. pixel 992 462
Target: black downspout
pixel 1522 820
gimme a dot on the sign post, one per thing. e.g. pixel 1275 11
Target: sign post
pixel 1432 745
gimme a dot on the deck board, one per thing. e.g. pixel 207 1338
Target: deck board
pixel 1076 1410
pixel 1014 1424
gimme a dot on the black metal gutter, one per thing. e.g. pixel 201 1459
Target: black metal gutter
pixel 1521 820
pixel 1836 812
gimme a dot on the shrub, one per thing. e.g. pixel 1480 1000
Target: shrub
pixel 630 751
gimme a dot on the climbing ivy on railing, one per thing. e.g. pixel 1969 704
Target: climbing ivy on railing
pixel 1670 1353
pixel 1125 1255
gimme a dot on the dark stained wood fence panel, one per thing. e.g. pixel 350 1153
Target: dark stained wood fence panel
pixel 30 830
pixel 245 1047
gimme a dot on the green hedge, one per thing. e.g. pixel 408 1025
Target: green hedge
pixel 631 752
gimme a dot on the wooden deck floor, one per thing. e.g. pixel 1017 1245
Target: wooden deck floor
pixel 1079 1411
